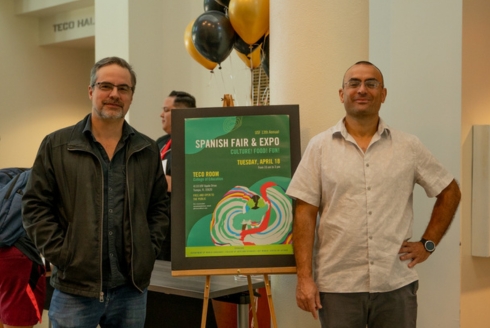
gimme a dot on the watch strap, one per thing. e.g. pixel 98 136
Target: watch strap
pixel 424 242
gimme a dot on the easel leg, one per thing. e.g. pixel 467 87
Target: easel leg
pixel 252 301
pixel 269 298
pixel 205 302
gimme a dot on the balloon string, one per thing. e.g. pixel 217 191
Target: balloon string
pixel 210 82
pixel 265 96
pixel 261 69
pixel 258 87
pixel 233 82
pixel 252 93
pixel 223 92
pixel 211 76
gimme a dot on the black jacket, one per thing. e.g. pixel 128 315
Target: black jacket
pixel 63 209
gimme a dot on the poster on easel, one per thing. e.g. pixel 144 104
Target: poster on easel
pixel 231 168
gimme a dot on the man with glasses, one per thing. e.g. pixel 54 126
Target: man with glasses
pixel 175 100
pixel 358 177
pixel 96 207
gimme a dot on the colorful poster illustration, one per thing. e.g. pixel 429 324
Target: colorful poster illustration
pixel 237 169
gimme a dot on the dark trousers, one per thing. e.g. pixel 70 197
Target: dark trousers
pixel 397 308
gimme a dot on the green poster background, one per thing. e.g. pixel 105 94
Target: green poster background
pixel 237 169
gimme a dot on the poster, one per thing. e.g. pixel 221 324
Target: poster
pixel 234 166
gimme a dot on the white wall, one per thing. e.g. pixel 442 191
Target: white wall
pixel 417 45
pixel 43 88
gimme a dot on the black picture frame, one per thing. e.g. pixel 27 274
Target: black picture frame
pixel 181 265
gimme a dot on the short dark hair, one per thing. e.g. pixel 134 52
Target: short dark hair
pixel 365 62
pixel 109 61
pixel 183 99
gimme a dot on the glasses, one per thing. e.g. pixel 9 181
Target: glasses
pixel 370 84
pixel 123 89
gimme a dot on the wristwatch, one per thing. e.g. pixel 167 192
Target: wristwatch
pixel 429 245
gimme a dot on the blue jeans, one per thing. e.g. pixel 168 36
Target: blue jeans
pixel 123 306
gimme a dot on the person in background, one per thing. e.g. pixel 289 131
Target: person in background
pixel 358 177
pixel 175 100
pixel 95 206
pixel 22 270
pixel 22 287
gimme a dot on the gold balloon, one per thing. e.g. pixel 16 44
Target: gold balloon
pixel 191 49
pixel 253 59
pixel 249 18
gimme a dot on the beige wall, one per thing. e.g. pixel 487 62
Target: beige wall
pixel 42 89
pixel 312 46
pixel 475 271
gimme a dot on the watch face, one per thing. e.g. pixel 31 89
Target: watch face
pixel 430 246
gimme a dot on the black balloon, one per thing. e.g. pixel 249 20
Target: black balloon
pixel 265 57
pixel 219 5
pixel 243 47
pixel 213 36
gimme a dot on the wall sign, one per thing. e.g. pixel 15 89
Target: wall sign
pixel 67 26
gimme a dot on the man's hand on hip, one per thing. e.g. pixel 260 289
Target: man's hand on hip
pixel 413 251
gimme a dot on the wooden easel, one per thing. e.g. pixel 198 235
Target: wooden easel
pixel 207 288
pixel 248 272
pixel 229 102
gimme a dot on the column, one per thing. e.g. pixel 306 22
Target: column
pixel 311 46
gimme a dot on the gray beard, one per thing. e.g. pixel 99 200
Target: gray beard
pixel 104 114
